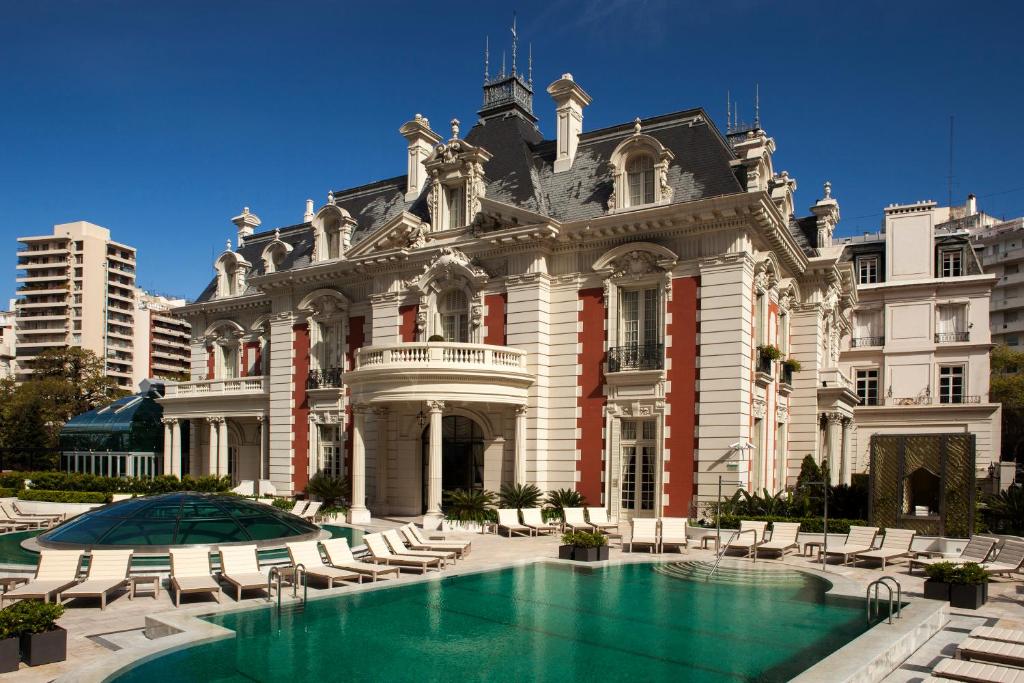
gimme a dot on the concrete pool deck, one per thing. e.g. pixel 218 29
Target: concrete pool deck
pixel 101 642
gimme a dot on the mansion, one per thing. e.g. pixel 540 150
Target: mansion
pixel 638 312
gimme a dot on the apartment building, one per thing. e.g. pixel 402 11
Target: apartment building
pixel 76 288
pixel 7 343
pixel 161 339
pixel 918 349
pixel 1000 244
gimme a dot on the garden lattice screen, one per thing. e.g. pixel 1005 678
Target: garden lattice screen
pixel 923 482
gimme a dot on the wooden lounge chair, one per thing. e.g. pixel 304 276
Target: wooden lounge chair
pixel 307 553
pixel 299 506
pixel 598 518
pixel 381 554
pixel 783 539
pixel 977 550
pixel 340 555
pixel 673 532
pixel 414 539
pixel 190 573
pixel 575 521
pixel 57 570
pixel 750 534
pixel 312 511
pixel 1006 635
pixel 55 518
pixel 108 571
pixel 534 519
pixel 895 543
pixel 994 651
pixel 976 672
pixel 7 515
pixel 508 519
pixel 400 547
pixel 644 532
pixel 1009 560
pixel 240 566
pixel 859 539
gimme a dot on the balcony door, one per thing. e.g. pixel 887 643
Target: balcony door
pixel 639 329
pixel 639 462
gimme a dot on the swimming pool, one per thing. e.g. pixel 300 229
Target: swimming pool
pixel 543 621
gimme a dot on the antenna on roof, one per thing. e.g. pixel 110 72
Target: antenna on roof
pixel 728 113
pixel 529 72
pixel 487 57
pixel 949 179
pixel 515 40
pixel 502 64
pixel 757 105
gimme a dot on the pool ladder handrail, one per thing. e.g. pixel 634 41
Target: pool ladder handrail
pixel 299 571
pixel 878 583
pixel 725 546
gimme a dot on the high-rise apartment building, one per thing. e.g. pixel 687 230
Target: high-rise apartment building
pixel 161 339
pixel 76 288
pixel 7 343
pixel 1001 248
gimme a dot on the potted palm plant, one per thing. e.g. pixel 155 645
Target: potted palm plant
pixel 469 509
pixel 559 499
pixel 968 586
pixel 583 546
pixel 42 641
pixel 936 586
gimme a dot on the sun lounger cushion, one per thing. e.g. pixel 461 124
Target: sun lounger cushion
pixel 959 670
pixel 1006 635
pixel 992 650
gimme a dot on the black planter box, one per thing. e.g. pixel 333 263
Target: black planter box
pixel 45 648
pixel 10 657
pixel 565 552
pixel 571 552
pixel 936 590
pixel 968 596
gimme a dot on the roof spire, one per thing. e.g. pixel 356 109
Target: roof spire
pixel 515 41
pixel 757 105
pixel 487 58
pixel 728 113
pixel 529 73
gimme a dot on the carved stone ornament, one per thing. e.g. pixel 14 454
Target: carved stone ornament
pixel 477 315
pixel 759 409
pixel 448 264
pixel 781 414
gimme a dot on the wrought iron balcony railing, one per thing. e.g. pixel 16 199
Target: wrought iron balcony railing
pixel 867 341
pixel 636 357
pixel 947 337
pixel 329 378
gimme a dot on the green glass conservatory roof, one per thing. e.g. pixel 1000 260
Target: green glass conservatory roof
pixel 129 424
pixel 154 523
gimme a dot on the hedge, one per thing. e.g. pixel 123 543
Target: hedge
pixel 8 493
pixel 75 481
pixel 64 496
pixel 808 524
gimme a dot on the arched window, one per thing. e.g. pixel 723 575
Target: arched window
pixel 454 310
pixel 640 180
pixel 230 286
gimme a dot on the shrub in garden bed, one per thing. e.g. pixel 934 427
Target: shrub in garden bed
pixel 811 525
pixel 45 496
pixel 77 481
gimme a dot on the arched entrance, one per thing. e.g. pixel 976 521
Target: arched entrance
pixel 462 455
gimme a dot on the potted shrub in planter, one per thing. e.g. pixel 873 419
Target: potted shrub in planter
pixel 42 641
pixel 583 546
pixel 10 654
pixel 936 587
pixel 968 586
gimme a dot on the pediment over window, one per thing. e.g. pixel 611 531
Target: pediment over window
pixel 232 273
pixel 447 267
pixel 332 231
pixel 404 231
pixel 456 170
pixel 496 216
pixel 223 332
pixel 636 260
pixel 640 172
pixel 274 253
pixel 322 304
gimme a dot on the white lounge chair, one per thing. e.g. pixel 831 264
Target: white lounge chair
pixel 312 511
pixel 534 519
pixel 751 533
pixel 108 571
pixel 994 651
pixel 859 539
pixel 1009 560
pixel 9 516
pixel 977 550
pixel 307 553
pixel 598 518
pixel 240 566
pixel 190 573
pixel 57 570
pixel 783 539
pixel 673 532
pixel 895 544
pixel 1006 635
pixel 381 554
pixel 299 506
pixel 644 532
pixel 508 519
pixel 575 520
pixel 398 546
pixel 414 539
pixel 52 518
pixel 976 672
pixel 340 556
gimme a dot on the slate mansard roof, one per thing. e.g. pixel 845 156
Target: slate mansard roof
pixel 521 173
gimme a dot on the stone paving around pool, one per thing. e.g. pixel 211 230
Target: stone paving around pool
pixel 97 638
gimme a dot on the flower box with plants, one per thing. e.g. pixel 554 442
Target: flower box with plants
pixel 35 624
pixel 583 546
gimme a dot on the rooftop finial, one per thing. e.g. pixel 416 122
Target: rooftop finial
pixel 757 105
pixel 828 189
pixel 515 41
pixel 277 233
pixel 227 247
pixel 330 198
pixel 455 129
pixel 636 126
pixel 487 58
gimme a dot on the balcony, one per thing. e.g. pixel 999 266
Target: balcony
pixel 440 371
pixel 858 342
pixel 636 357
pixel 324 379
pixel 234 396
pixel 950 337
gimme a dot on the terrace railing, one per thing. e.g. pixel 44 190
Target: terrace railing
pixel 636 357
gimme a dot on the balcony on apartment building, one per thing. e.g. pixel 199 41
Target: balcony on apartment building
pixel 636 358
pixel 865 342
pixel 952 337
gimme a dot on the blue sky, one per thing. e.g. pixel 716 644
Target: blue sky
pixel 162 120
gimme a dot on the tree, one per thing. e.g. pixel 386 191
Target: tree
pixel 1006 386
pixel 80 369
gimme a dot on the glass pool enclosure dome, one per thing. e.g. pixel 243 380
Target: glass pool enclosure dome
pixel 154 523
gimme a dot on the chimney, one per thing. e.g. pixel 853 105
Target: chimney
pixel 972 205
pixel 569 102
pixel 246 224
pixel 421 144
pixel 308 216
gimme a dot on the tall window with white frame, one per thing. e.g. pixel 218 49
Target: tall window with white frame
pixel 639 459
pixel 784 332
pixel 455 316
pixel 640 329
pixel 228 361
pixel 455 207
pixel 951 384
pixel 332 452
pixel 867 270
pixel 781 452
pixel 867 386
pixel 640 180
pixel 952 262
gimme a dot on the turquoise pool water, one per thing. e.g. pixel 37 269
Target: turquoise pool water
pixel 11 551
pixel 543 622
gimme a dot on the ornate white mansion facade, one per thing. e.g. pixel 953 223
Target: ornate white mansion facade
pixel 584 312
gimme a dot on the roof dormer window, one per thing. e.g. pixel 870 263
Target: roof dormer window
pixel 640 177
pixel 457 183
pixel 640 172
pixel 455 204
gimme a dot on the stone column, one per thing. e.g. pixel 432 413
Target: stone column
pixel 358 513
pixel 834 438
pixel 167 444
pixel 175 447
pixel 520 445
pixel 382 460
pixel 211 458
pixel 432 518
pixel 261 472
pixel 846 468
pixel 222 447
pixel 313 464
